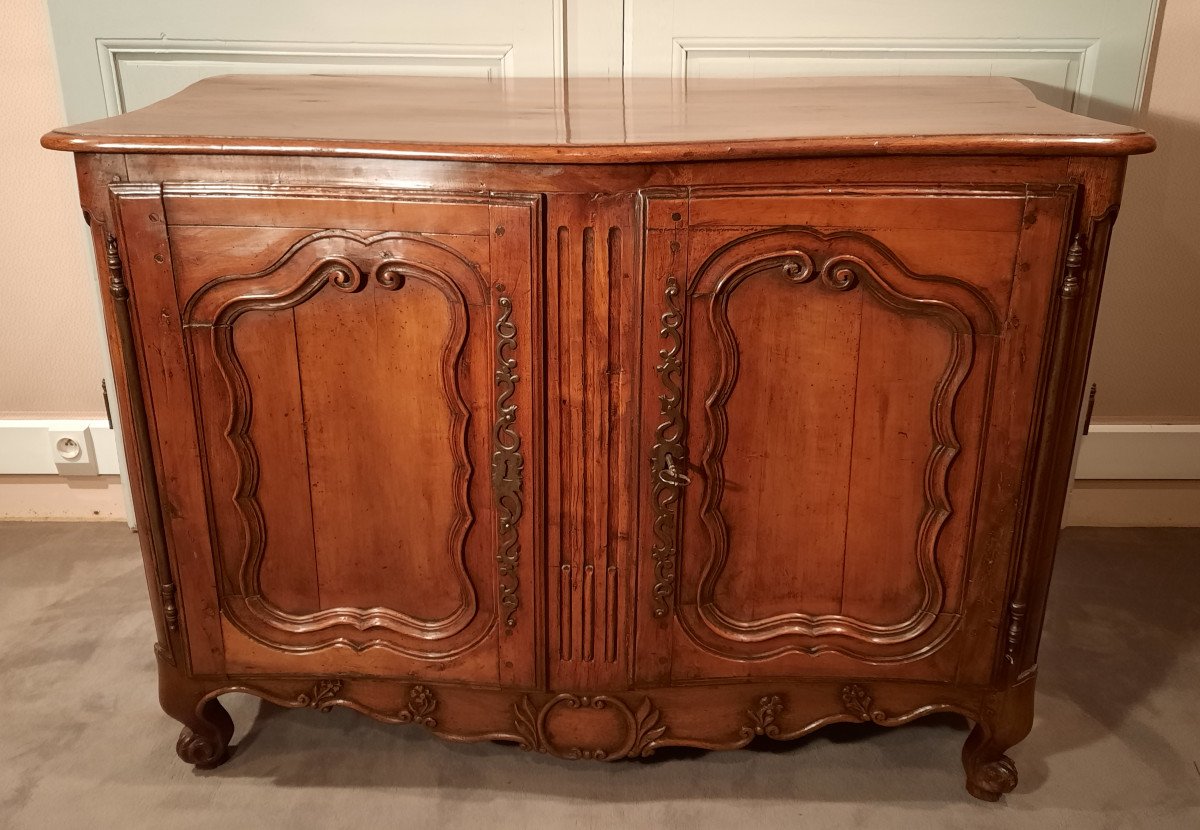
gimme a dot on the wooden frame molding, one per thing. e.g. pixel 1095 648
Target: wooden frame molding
pixel 842 261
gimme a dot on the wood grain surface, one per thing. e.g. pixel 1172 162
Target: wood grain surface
pixel 594 120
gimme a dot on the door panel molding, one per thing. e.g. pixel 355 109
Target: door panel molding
pixel 839 262
pixel 1074 54
pixel 333 260
pixel 127 65
pixel 1062 71
pixel 115 55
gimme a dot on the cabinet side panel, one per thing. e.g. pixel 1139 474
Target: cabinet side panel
pixel 1099 182
pixel 1023 359
pixel 95 174
pixel 171 421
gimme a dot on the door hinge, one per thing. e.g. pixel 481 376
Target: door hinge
pixel 1072 284
pixel 1016 628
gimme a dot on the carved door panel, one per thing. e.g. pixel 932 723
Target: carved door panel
pixel 360 367
pixel 832 383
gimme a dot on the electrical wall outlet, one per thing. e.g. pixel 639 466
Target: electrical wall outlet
pixel 72 452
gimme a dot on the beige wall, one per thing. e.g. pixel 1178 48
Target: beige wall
pixel 1147 354
pixel 50 345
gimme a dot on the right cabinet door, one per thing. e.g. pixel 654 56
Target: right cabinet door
pixel 838 396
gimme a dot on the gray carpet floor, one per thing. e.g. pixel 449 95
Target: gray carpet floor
pixel 83 742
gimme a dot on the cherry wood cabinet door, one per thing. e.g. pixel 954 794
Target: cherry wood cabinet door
pixel 345 419
pixel 837 388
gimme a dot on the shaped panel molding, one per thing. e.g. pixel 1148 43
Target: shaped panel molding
pixel 343 262
pixel 813 261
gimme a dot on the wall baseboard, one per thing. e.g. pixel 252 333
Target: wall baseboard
pixel 1094 503
pixel 58 498
pixel 1143 452
pixel 1127 475
pixel 33 486
pixel 1149 452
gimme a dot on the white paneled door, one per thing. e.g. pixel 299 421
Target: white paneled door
pixel 116 55
pixel 1085 55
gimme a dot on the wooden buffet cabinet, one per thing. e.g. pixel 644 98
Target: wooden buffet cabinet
pixel 603 417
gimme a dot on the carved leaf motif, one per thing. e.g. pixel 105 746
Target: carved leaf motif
pixel 858 702
pixel 323 695
pixel 421 703
pixel 648 731
pixel 526 719
pixel 762 719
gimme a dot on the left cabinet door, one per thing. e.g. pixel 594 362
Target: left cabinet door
pixel 340 386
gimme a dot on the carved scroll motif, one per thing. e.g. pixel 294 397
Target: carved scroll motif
pixel 668 458
pixel 507 461
pixel 324 695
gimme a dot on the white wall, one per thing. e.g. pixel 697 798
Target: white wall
pixel 51 357
pixel 51 351
pixel 1147 354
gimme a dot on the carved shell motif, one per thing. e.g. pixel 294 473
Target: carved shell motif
pixel 642 727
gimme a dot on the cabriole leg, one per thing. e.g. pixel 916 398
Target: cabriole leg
pixel 207 727
pixel 1004 722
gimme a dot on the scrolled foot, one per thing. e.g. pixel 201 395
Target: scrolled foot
pixel 989 780
pixel 207 727
pixel 205 742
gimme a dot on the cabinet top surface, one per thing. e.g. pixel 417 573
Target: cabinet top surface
pixel 594 120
